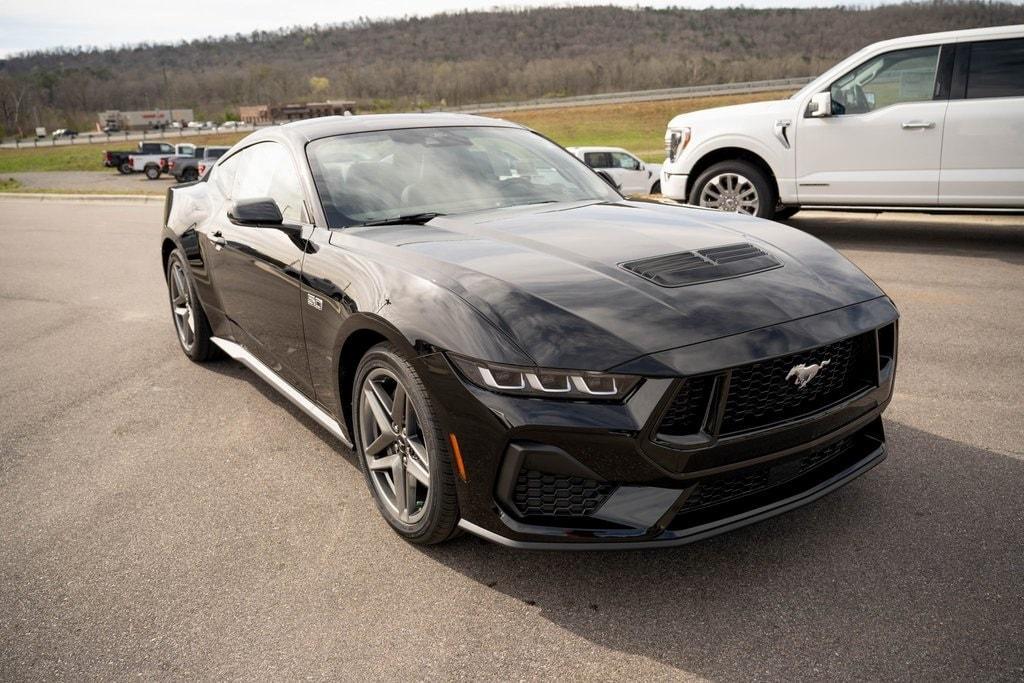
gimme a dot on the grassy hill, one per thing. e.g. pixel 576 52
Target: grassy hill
pixel 463 57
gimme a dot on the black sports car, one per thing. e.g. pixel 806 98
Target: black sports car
pixel 513 349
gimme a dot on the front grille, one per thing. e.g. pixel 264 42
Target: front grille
pixel 723 488
pixel 685 415
pixel 542 494
pixel 760 393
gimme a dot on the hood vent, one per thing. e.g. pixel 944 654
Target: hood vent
pixel 703 265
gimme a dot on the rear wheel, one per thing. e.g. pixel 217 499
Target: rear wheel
pixel 124 168
pixel 189 175
pixel 735 186
pixel 189 319
pixel 153 172
pixel 656 188
pixel 401 449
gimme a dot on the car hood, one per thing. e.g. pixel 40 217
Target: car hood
pixel 550 276
pixel 735 111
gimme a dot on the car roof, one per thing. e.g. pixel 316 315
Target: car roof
pixel 990 33
pixel 327 126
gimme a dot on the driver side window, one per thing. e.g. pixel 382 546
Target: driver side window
pixel 892 78
pixel 266 170
pixel 625 161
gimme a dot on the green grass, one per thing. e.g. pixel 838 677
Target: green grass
pixel 9 185
pixel 638 127
pixel 89 156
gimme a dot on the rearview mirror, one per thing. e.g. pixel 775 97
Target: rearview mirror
pixel 256 212
pixel 820 105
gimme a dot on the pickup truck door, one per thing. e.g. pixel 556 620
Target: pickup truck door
pixel 257 270
pixel 883 141
pixel 983 148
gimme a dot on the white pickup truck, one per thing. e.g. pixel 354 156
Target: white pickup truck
pixel 930 122
pixel 630 174
pixel 153 164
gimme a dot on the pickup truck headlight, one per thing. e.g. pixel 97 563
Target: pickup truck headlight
pixel 545 382
pixel 676 141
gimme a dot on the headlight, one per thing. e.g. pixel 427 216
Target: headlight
pixel 676 141
pixel 544 382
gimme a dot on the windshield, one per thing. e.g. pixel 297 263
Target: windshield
pixel 366 177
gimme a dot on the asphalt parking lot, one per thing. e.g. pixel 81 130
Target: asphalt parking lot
pixel 162 519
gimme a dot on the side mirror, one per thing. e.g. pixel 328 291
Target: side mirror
pixel 257 212
pixel 607 177
pixel 820 105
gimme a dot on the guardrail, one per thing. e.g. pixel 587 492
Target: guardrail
pixel 683 92
pixel 89 138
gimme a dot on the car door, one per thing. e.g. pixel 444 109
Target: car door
pixel 983 146
pixel 883 140
pixel 257 270
pixel 631 173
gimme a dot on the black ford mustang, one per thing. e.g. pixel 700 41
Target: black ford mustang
pixel 514 349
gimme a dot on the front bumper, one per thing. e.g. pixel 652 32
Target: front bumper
pixel 550 474
pixel 673 185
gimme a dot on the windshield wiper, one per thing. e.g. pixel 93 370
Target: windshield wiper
pixel 410 219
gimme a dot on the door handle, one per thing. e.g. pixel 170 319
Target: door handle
pixel 910 125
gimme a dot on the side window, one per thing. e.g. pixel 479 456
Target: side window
pixel 266 170
pixel 223 175
pixel 996 69
pixel 892 78
pixel 625 161
pixel 598 159
pixel 166 149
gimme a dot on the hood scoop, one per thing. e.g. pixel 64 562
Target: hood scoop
pixel 703 265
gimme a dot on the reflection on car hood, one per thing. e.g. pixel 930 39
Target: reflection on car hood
pixel 550 276
pixel 733 111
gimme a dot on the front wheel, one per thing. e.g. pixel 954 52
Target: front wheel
pixel 401 448
pixel 735 186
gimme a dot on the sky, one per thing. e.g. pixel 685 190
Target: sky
pixel 37 24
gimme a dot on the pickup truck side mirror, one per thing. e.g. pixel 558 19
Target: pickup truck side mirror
pixel 257 212
pixel 820 105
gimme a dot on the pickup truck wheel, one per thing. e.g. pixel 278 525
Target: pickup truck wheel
pixel 735 186
pixel 189 175
pixel 125 168
pixel 656 188
pixel 152 172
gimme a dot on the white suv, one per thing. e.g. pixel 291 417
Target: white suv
pixel 928 122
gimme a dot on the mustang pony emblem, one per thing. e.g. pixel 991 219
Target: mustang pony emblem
pixel 805 373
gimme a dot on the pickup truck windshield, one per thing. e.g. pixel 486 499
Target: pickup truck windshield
pixel 371 177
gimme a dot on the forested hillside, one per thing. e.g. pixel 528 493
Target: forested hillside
pixel 463 58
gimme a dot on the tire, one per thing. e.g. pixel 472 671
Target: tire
pixel 153 172
pixel 734 181
pixel 418 446
pixel 656 188
pixel 190 322
pixel 124 168
pixel 786 212
pixel 190 175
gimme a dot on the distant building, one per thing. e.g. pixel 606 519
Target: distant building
pixel 143 120
pixel 273 113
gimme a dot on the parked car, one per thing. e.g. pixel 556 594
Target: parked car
pixel 186 169
pixel 513 348
pixel 928 122
pixel 153 165
pixel 65 133
pixel 119 158
pixel 629 173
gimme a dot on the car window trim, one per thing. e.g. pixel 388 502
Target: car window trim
pixel 963 67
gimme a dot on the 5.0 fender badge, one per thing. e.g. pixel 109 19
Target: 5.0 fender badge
pixel 803 374
pixel 315 301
